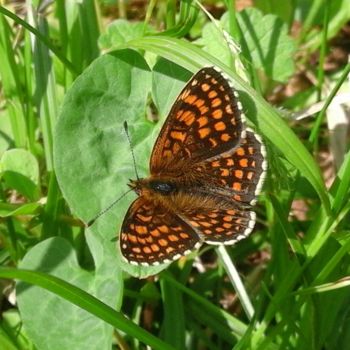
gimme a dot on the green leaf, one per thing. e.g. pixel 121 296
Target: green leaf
pixel 263 37
pixel 120 31
pixel 20 170
pixel 168 81
pixel 266 43
pixel 283 9
pixel 51 321
pixel 85 301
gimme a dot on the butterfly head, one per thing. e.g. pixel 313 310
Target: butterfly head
pixel 153 185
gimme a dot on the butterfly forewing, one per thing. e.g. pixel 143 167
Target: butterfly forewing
pixel 205 121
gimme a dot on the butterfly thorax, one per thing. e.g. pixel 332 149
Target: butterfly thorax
pixel 182 194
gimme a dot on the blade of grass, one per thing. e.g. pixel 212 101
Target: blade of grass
pixel 269 122
pixel 10 73
pixel 85 301
pixel 41 37
pixel 236 281
pixel 237 327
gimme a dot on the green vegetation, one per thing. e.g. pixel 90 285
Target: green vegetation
pixel 70 75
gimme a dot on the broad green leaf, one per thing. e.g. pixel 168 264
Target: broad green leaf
pixel 120 31
pixel 54 323
pixel 266 43
pixel 262 37
pixel 168 80
pixel 283 9
pixel 20 170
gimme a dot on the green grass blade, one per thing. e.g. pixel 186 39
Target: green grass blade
pixel 41 37
pixel 268 120
pixel 86 301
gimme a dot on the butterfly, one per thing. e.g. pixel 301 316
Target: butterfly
pixel 206 170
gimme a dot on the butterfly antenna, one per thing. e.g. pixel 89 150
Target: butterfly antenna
pixel 132 151
pixel 91 222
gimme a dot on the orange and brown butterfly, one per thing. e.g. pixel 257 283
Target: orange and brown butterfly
pixel 206 169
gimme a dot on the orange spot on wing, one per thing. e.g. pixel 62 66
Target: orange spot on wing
pixel 155 247
pixel 204 132
pixel 212 94
pixel 243 162
pixel 190 99
pixel 205 87
pixel 237 197
pixel 229 162
pixel 178 135
pixel 163 229
pixel 132 238
pixel 167 154
pixel 217 114
pixel 202 121
pixel 199 103
pixel 239 174
pixel 236 186
pixel 225 137
pixel 142 230
pixel 240 151
pixel 163 242
pixel 203 109
pixel 216 102
pixel 155 233
pixel 231 212
pixel 147 250
pixel 225 172
pixel 188 118
pixel 220 126
pixel 141 240
pixel 205 224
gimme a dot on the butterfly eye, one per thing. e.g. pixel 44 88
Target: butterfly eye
pixel 162 187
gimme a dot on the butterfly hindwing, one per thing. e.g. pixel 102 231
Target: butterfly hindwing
pixel 151 235
pixel 222 226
